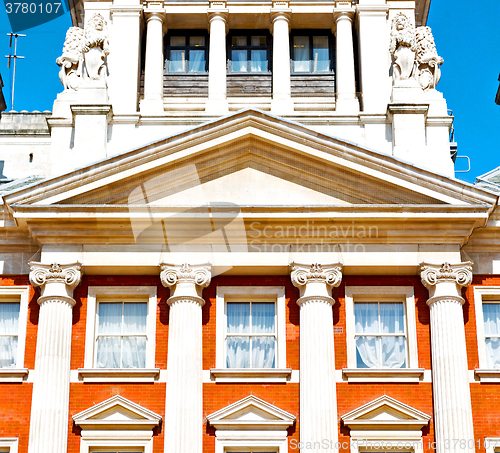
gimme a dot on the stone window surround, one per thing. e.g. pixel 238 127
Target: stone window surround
pixel 138 293
pixel 9 444
pixel 382 293
pixel 491 444
pixel 252 293
pixel 483 373
pixel 17 294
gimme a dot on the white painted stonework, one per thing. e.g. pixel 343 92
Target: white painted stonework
pixel 450 381
pixel 318 398
pixel 184 397
pixel 49 408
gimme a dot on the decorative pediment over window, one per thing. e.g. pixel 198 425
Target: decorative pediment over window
pixel 385 413
pixel 117 413
pixel 251 413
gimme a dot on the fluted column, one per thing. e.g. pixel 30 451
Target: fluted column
pixel 184 398
pixel 280 16
pixel 318 399
pixel 50 401
pixel 152 104
pixel 217 99
pixel 450 381
pixel 346 81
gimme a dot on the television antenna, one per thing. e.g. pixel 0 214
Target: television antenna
pixel 13 58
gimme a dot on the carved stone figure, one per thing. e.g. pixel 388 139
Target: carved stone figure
pixel 95 48
pixel 71 59
pixel 428 59
pixel 403 47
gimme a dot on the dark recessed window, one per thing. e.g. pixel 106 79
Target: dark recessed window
pixel 249 53
pixel 186 54
pixel 311 53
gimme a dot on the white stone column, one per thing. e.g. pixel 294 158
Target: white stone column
pixel 345 73
pixel 50 401
pixel 374 56
pixel 152 104
pixel 217 99
pixel 318 398
pixel 184 397
pixel 280 17
pixel 450 380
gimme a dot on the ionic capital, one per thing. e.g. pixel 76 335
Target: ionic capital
pixel 185 281
pixel 57 281
pixel 445 281
pixel 316 280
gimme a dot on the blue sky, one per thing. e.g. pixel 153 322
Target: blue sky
pixel 467 39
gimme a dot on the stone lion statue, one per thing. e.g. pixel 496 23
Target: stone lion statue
pixel 95 47
pixel 71 59
pixel 403 47
pixel 428 59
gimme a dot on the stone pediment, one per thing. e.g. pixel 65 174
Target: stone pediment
pixel 385 413
pixel 117 411
pixel 250 158
pixel 251 413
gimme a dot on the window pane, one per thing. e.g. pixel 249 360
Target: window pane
pixel 238 317
pixel 257 41
pixel 301 54
pixel 177 40
pixel 196 61
pixel 197 41
pixel 134 318
pixel 239 60
pixel 368 352
pixel 238 352
pixel 392 318
pixel 110 318
pixel 259 61
pixel 108 352
pixel 8 352
pixel 263 352
pixel 9 318
pixel 321 57
pixel 134 352
pixel 366 316
pixel 493 352
pixel 491 315
pixel 394 352
pixel 238 41
pixel 177 61
pixel 263 317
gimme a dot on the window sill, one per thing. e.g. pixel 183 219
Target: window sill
pixel 250 375
pixel 13 374
pixel 487 375
pixel 383 375
pixel 118 375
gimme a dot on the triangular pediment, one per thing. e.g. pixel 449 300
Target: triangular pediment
pixel 251 158
pixel 251 413
pixel 385 413
pixel 117 411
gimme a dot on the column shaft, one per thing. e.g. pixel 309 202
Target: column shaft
pixel 184 395
pixel 217 100
pixel 318 391
pixel 282 101
pixel 50 401
pixel 450 380
pixel 153 71
pixel 346 81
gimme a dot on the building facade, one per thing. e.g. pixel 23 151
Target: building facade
pixel 239 231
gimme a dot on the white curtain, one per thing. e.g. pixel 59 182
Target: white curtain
pixel 321 57
pixel 9 326
pixel 263 348
pixel 259 60
pixel 380 351
pixel 301 54
pixel 122 337
pixel 238 347
pixel 239 60
pixel 491 315
pixel 177 61
pixel 196 61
